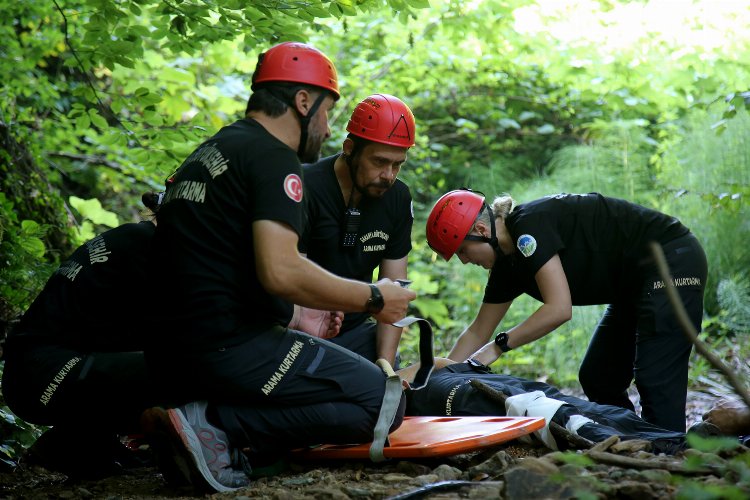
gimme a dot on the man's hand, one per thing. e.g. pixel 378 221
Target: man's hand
pixel 396 300
pixel 321 324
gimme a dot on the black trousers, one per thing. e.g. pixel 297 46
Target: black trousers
pixel 641 340
pixel 53 385
pixel 281 390
pixel 361 339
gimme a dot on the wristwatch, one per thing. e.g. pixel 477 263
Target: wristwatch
pixel 501 340
pixel 375 303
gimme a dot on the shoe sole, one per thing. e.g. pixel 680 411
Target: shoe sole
pixel 156 426
pixel 175 441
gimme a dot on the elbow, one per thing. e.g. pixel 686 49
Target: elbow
pixel 564 314
pixel 560 313
pixel 274 280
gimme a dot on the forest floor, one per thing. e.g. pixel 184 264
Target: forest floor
pixel 509 471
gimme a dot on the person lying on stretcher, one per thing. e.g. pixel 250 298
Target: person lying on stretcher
pixel 449 392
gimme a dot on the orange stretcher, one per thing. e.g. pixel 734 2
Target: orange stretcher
pixel 434 437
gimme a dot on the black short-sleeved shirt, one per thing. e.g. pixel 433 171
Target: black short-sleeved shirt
pixel 204 239
pixel 98 299
pixel 599 239
pixel 384 231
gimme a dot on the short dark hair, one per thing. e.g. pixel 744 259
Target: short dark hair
pixel 359 144
pixel 274 99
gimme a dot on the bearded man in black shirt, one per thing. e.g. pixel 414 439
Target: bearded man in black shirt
pixel 226 244
pixel 359 214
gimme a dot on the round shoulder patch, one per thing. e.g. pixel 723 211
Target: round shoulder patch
pixel 526 245
pixel 293 187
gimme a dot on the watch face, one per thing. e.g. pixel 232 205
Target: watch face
pixel 501 340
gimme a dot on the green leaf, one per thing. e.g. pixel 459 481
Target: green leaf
pixel 178 75
pixel 92 210
pixel 432 308
pixel 85 232
pixel 30 227
pixel 32 245
pixel 418 4
pixel 97 120
pixel 83 122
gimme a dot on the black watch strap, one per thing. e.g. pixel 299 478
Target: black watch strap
pixel 375 303
pixel 501 340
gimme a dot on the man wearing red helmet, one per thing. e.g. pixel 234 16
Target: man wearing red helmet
pixel 567 250
pixel 360 214
pixel 226 242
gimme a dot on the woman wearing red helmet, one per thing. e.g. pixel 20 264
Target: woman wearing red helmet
pixel 360 213
pixel 567 250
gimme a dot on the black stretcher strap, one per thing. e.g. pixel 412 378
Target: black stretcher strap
pixel 426 357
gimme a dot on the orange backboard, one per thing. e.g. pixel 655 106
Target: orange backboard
pixel 434 437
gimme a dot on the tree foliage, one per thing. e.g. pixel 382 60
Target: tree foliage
pixel 643 100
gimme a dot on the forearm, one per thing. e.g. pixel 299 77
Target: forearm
pixel 540 323
pixel 387 340
pixel 308 285
pixel 543 321
pixel 466 345
pixel 285 273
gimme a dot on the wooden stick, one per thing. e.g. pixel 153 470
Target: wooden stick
pixel 557 430
pixel 643 463
pixel 689 329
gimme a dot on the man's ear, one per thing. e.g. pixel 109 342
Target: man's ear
pixel 348 146
pixel 303 100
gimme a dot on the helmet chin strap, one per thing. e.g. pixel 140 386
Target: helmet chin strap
pixel 304 122
pixel 492 240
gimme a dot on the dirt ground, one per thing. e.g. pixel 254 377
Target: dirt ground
pixel 328 480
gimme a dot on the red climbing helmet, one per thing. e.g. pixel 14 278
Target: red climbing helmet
pixel 385 119
pixel 299 63
pixel 451 219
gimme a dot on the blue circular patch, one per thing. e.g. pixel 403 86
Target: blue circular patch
pixel 526 245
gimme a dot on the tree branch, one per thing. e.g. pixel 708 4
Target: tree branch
pixel 92 159
pixel 641 463
pixel 689 329
pixel 557 430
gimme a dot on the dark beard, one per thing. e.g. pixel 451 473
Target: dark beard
pixel 383 185
pixel 311 154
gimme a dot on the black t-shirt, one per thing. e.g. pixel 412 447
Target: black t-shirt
pixel 204 240
pixel 384 230
pixel 98 299
pixel 600 241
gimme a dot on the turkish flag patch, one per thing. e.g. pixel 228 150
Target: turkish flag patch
pixel 293 187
